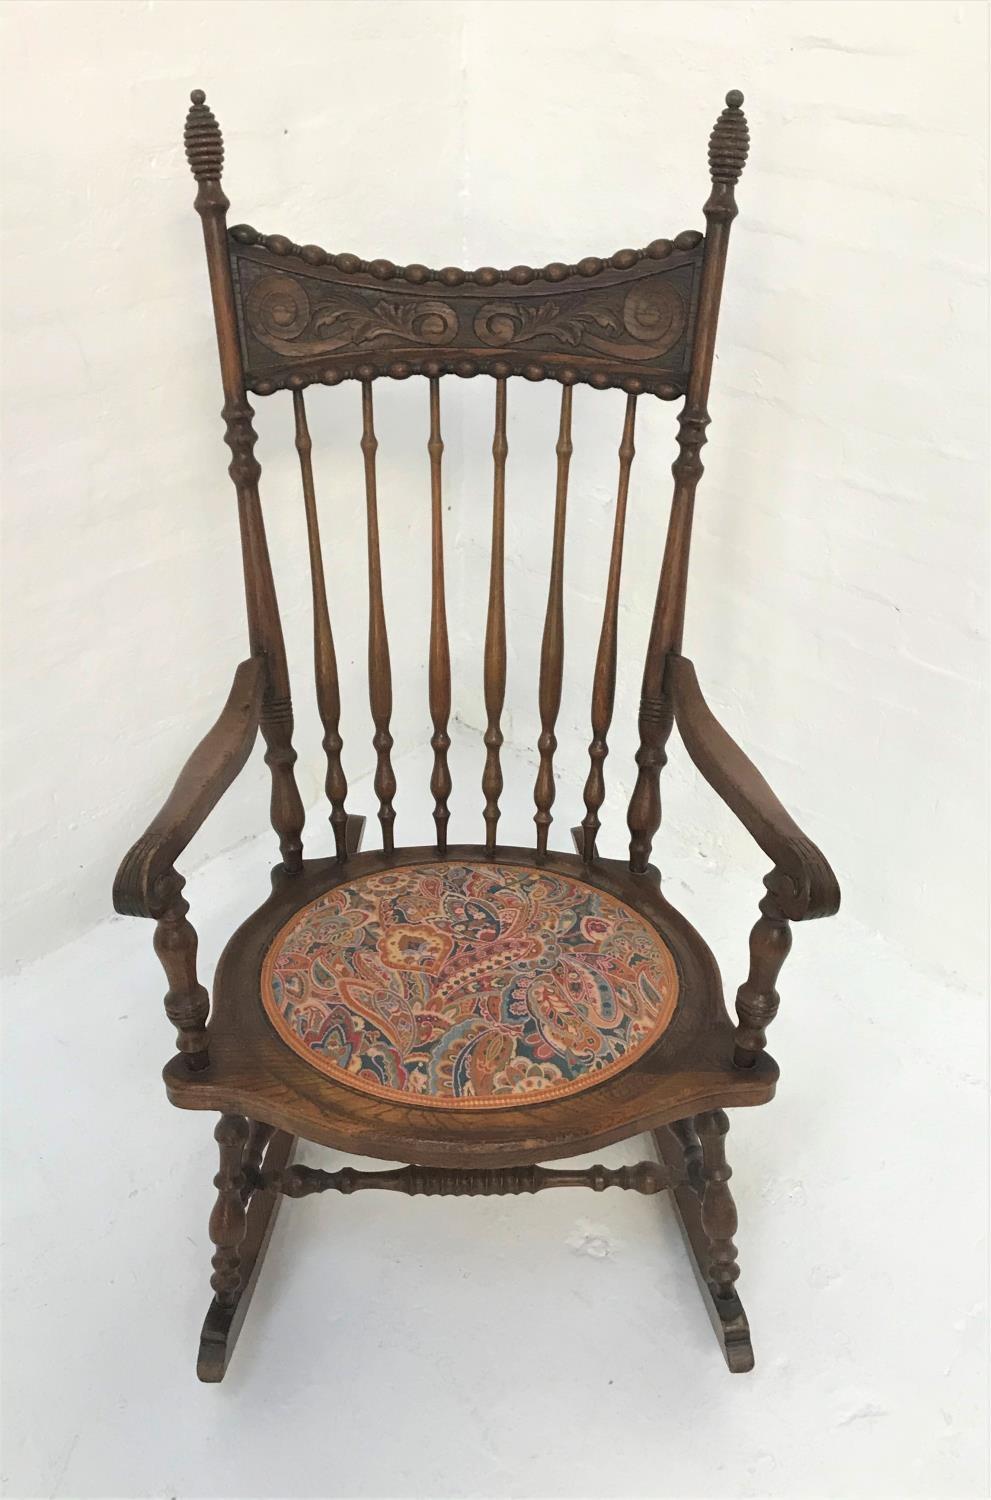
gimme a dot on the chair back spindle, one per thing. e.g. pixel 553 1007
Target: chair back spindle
pixel 440 653
pixel 289 316
pixel 495 627
pixel 552 645
pixel 324 655
pixel 604 680
pixel 379 665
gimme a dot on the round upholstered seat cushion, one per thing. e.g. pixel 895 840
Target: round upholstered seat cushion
pixel 468 984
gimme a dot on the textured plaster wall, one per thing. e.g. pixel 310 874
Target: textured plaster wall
pixel 838 600
pixel 124 615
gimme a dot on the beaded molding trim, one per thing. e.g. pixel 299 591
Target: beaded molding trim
pixel 308 316
pixel 487 276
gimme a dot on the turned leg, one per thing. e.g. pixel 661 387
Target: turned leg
pixel 228 1219
pixel 694 1147
pixel 687 1137
pixel 259 1136
pixel 240 1227
pixel 718 1211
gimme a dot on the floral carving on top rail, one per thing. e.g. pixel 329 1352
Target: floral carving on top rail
pixel 279 314
pixel 654 315
pixel 306 316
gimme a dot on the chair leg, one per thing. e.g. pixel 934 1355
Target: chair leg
pixel 240 1227
pixel 708 1221
pixel 259 1136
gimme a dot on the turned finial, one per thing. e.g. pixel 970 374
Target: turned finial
pixel 729 142
pixel 204 142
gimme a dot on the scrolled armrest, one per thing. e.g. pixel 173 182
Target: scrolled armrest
pixel 146 882
pixel 805 886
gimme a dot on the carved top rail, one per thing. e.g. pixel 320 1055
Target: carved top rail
pixel 307 316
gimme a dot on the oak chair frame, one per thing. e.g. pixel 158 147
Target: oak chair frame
pixel 559 322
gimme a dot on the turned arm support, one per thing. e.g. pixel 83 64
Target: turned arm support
pixel 805 885
pixel 147 883
pixel 801 884
pixel 143 884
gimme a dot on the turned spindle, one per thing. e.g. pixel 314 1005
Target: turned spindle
pixel 379 664
pixel 454 1182
pixel 757 999
pixel 495 628
pixel 552 645
pixel 324 654
pixel 604 681
pixel 187 1004
pixel 440 652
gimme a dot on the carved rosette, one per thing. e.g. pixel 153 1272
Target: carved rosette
pixel 308 316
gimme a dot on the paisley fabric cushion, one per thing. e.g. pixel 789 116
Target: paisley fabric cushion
pixel 468 985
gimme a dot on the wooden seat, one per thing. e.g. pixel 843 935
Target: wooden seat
pixel 685 1062
pixel 470 1010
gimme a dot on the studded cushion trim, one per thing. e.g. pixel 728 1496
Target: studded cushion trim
pixel 464 985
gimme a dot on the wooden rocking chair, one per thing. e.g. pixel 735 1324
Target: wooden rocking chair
pixel 471 1010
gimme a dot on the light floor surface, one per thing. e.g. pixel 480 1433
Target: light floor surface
pixel 548 1346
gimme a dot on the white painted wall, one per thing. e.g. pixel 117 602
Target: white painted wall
pixel 123 595
pixel 838 599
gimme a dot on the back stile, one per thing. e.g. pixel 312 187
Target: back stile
pixel 205 154
pixel 324 655
pixel 604 681
pixel 379 667
pixel 552 646
pixel 495 628
pixel 728 147
pixel 440 654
